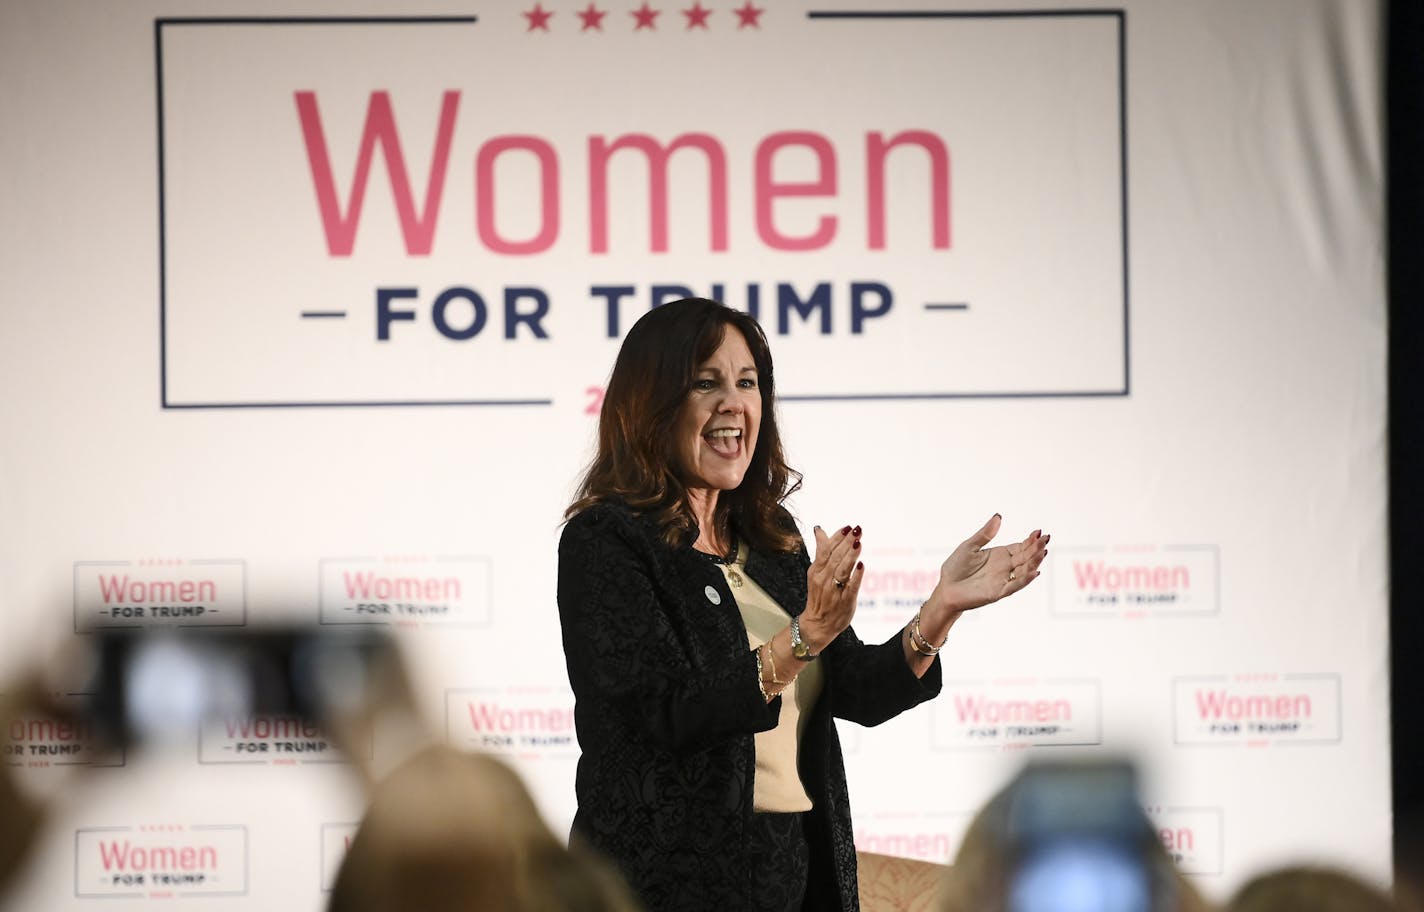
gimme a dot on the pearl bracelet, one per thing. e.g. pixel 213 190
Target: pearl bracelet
pixel 918 642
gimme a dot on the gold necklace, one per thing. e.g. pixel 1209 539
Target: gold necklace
pixel 728 565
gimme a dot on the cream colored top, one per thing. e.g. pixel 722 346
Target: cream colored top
pixel 777 785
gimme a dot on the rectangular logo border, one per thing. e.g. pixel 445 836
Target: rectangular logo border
pixel 74 593
pixel 246 862
pixel 166 403
pixel 1215 612
pixel 441 625
pixel 1296 742
pixel 1095 683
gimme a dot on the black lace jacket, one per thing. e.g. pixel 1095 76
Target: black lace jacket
pixel 667 703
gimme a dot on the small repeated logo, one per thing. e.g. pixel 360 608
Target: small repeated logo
pixel 1015 713
pixel 525 722
pixel 38 741
pixel 405 590
pixel 1258 709
pixel 335 843
pixel 160 592
pixel 922 835
pixel 1134 581
pixel 1192 836
pixel 160 861
pixel 278 740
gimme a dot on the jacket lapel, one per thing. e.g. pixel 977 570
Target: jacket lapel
pixel 782 575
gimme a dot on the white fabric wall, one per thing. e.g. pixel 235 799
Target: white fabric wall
pixel 1163 221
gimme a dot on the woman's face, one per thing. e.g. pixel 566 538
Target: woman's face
pixel 716 430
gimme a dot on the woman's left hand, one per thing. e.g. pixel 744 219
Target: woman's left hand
pixel 975 575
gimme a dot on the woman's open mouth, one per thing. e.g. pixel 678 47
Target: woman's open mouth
pixel 725 442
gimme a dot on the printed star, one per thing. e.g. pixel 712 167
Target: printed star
pixel 697 16
pixel 647 17
pixel 592 18
pixel 539 18
pixel 748 15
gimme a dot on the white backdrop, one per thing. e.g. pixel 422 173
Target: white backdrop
pixel 1114 272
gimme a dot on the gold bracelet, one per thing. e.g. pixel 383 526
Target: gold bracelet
pixel 761 683
pixel 771 660
pixel 914 634
pixel 917 639
pixel 915 645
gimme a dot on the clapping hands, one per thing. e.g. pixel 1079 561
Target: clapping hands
pixel 975 575
pixel 832 585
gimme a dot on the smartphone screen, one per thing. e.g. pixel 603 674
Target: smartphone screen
pixel 1081 874
pixel 1079 835
pixel 155 687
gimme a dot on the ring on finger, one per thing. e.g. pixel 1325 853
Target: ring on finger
pixel 1013 575
pixel 840 583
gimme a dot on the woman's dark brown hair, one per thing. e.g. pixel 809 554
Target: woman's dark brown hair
pixel 636 459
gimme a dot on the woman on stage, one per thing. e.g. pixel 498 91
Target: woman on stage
pixel 708 653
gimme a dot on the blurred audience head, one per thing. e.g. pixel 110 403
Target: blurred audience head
pixel 21 816
pixel 1066 837
pixel 450 831
pixel 1310 889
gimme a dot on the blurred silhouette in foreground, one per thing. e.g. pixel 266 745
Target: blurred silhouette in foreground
pixel 446 830
pixel 1066 837
pixel 1310 889
pixel 455 831
pixel 20 814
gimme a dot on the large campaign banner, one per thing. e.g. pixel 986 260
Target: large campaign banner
pixel 308 312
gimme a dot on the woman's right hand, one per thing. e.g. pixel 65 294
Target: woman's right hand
pixel 832 585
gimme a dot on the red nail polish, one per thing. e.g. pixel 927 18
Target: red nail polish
pixel 856 530
pixel 860 565
pixel 845 530
pixel 855 544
